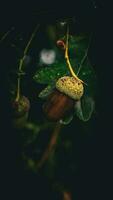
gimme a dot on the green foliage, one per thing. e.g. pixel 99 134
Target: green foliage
pixel 46 91
pixel 87 74
pixel 84 108
pixel 78 46
pixel 78 50
pixel 49 75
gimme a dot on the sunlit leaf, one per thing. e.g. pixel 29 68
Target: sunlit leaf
pixel 49 75
pixel 46 91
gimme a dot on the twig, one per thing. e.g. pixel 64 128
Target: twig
pixel 84 57
pixel 66 195
pixel 22 61
pixel 51 145
pixel 67 59
pixel 6 34
pixel 27 47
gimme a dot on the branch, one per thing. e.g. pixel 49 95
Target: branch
pixel 84 57
pixel 66 195
pixel 27 47
pixel 51 145
pixel 22 61
pixel 6 34
pixel 67 59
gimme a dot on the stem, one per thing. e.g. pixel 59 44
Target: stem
pixel 22 61
pixel 31 38
pixel 51 145
pixel 18 89
pixel 67 59
pixel 6 34
pixel 66 195
pixel 84 57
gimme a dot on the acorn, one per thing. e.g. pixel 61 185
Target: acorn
pixel 20 107
pixel 62 100
pixel 20 110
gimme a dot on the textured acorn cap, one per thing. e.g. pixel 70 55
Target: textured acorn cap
pixel 70 86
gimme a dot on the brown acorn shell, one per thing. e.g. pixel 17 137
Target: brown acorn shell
pixel 57 105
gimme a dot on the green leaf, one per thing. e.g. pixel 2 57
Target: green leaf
pixel 78 50
pixel 46 91
pixel 49 75
pixel 87 74
pixel 78 46
pixel 84 108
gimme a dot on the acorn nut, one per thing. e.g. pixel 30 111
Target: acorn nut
pixel 62 100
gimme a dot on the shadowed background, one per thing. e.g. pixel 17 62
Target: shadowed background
pixel 94 151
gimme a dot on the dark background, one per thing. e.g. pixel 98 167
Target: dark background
pixel 93 179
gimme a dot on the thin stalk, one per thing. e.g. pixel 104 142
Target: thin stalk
pixel 84 57
pixel 6 34
pixel 18 89
pixel 67 195
pixel 22 61
pixel 51 145
pixel 67 59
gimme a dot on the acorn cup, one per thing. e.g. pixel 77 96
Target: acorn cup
pixel 62 100
pixel 20 111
